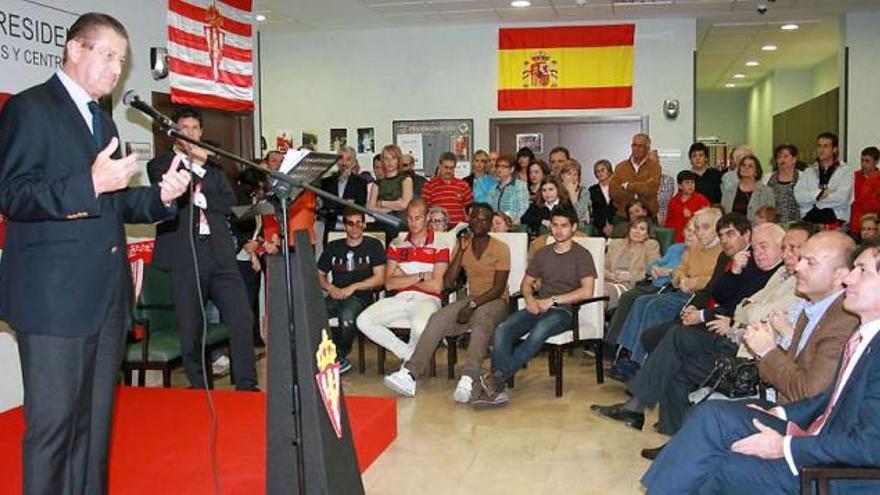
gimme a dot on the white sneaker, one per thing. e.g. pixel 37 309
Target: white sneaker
pixel 220 366
pixel 463 390
pixel 401 382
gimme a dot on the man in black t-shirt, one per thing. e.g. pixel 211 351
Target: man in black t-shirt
pixel 357 266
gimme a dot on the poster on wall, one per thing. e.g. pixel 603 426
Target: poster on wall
pixel 411 144
pixel 310 140
pixel 338 139
pixel 366 140
pixel 438 136
pixel 144 151
pixel 532 141
pixel 283 140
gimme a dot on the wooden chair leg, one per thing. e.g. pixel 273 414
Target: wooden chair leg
pixel 432 364
pixel 551 360
pixel 166 377
pixel 126 377
pixel 142 378
pixel 362 353
pixel 380 356
pixel 558 352
pixel 451 358
pixel 600 361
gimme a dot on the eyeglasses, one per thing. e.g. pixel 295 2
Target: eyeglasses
pixel 437 220
pixel 350 223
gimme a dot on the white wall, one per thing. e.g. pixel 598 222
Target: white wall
pixel 146 26
pixel 863 39
pixel 826 76
pixel 723 115
pixel 368 78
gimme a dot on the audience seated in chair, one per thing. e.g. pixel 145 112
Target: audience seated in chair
pixel 626 259
pixel 486 262
pixel 646 311
pixel 807 355
pixel 700 336
pixel 357 266
pixel 732 447
pixel 567 276
pixel 415 272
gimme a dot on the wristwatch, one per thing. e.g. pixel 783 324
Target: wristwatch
pixel 554 301
pixel 472 304
pixel 421 276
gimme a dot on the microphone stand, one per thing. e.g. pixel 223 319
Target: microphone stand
pixel 281 188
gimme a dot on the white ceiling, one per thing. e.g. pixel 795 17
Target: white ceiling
pixel 729 31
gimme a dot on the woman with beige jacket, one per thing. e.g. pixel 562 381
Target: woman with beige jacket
pixel 626 259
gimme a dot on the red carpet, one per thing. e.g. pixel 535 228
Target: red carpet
pixel 160 441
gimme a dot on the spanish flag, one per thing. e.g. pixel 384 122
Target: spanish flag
pixel 566 67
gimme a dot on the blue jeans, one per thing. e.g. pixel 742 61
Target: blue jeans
pixel 645 313
pixel 540 327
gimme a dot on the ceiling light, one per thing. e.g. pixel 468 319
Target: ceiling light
pixel 260 17
pixel 520 3
pixel 752 63
pixel 789 27
pixel 769 48
pixel 739 76
pixel 730 85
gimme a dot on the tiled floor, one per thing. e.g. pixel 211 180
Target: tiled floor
pixel 538 444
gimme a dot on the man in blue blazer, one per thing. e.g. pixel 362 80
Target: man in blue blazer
pixel 65 282
pixel 730 447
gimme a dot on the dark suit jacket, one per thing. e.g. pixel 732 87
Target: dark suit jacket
pixel 65 248
pixel 173 249
pixel 355 190
pixel 851 435
pixel 808 374
pixel 602 211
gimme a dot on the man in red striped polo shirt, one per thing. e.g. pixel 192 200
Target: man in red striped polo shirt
pixel 449 192
pixel 415 271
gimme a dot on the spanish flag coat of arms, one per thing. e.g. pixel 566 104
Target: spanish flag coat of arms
pixel 565 67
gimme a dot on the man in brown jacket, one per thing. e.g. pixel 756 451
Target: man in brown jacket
pixel 809 364
pixel 637 177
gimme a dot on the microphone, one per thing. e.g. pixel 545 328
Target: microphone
pixel 131 99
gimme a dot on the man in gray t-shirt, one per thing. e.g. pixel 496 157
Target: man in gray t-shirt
pixel 559 275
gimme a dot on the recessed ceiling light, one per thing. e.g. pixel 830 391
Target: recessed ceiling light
pixel 260 17
pixel 752 63
pixel 520 3
pixel 739 76
pixel 789 27
pixel 769 48
pixel 730 85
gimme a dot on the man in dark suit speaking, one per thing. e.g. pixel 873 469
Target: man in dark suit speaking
pixel 65 282
pixel 728 447
pixel 201 229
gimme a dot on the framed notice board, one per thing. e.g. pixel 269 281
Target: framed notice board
pixel 426 140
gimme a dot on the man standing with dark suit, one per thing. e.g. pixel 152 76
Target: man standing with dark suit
pixel 347 186
pixel 728 447
pixel 66 284
pixel 203 232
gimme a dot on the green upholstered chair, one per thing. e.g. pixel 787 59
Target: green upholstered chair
pixel 665 237
pixel 154 343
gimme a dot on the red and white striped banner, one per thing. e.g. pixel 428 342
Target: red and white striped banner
pixel 210 53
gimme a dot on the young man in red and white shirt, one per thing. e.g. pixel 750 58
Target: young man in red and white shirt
pixel 415 271
pixel 449 192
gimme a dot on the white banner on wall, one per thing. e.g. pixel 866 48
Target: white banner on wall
pixel 31 42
